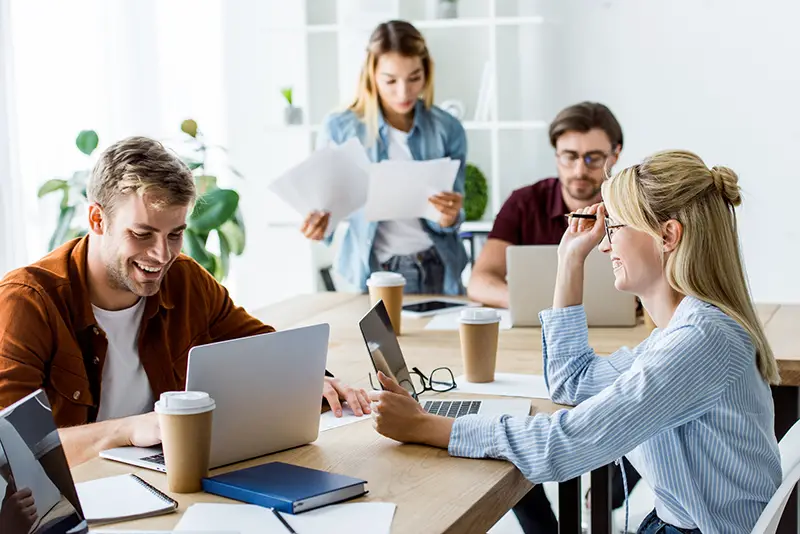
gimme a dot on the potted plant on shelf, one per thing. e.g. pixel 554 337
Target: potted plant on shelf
pixel 291 114
pixel 476 193
pixel 216 212
pixel 447 9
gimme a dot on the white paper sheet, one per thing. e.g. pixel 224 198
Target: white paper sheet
pixel 372 517
pixel 333 179
pixel 449 321
pixel 400 189
pixel 328 420
pixel 507 385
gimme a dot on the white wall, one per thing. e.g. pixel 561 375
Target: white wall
pixel 719 77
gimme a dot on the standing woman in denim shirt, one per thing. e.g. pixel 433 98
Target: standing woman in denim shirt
pixel 394 118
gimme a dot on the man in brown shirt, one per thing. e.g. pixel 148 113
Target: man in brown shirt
pixel 587 139
pixel 104 323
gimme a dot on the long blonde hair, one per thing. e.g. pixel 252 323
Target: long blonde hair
pixel 393 36
pixel 707 263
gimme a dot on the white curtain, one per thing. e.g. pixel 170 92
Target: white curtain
pixel 12 240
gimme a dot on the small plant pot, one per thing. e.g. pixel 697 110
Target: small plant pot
pixel 293 115
pixel 447 9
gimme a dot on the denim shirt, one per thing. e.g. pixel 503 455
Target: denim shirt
pixel 434 134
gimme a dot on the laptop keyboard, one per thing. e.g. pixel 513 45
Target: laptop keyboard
pixel 453 409
pixel 156 458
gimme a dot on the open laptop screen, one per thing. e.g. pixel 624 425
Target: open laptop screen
pixel 384 350
pixel 32 458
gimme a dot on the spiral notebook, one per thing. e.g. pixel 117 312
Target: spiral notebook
pixel 122 498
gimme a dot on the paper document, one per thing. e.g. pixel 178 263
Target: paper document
pixel 449 321
pixel 400 189
pixel 328 420
pixel 333 179
pixel 507 385
pixel 373 517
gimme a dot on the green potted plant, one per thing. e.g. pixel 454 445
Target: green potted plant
pixel 447 9
pixel 476 193
pixel 216 212
pixel 291 114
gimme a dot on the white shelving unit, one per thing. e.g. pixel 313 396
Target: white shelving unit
pixel 509 147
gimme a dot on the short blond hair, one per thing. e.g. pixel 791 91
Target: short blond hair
pixel 139 165
pixel 707 263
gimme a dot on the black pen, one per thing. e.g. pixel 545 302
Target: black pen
pixel 282 520
pixel 581 216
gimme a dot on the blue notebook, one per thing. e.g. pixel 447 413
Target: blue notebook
pixel 289 488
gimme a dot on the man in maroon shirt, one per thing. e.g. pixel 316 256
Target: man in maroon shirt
pixel 587 139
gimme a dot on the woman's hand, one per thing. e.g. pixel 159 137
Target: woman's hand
pixel 397 415
pixel 18 510
pixel 583 235
pixel 315 225
pixel 449 205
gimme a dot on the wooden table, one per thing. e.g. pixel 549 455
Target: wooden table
pixel 433 491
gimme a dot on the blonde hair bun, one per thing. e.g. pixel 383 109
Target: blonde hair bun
pixel 727 182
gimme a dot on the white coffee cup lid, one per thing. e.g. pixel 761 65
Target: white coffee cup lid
pixel 184 403
pixel 480 316
pixel 386 279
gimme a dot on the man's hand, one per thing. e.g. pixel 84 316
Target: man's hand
pixel 18 511
pixel 449 205
pixel 335 392
pixel 143 430
pixel 398 416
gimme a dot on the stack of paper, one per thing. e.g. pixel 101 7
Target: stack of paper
pixel 400 189
pixel 450 321
pixel 333 179
pixel 507 385
pixel 373 517
pixel 341 179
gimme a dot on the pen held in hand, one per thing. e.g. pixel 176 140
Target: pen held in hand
pixel 581 216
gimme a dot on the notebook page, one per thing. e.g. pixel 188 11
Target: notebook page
pixel 117 497
pixel 351 518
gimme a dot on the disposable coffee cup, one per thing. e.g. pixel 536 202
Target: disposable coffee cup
pixel 185 418
pixel 479 329
pixel 388 287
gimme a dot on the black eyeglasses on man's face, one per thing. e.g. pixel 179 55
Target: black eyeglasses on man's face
pixel 594 159
pixel 611 229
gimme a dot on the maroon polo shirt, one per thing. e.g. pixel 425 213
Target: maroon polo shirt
pixel 532 215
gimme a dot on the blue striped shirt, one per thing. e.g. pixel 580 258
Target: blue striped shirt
pixel 687 407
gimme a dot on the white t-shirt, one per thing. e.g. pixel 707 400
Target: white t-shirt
pixel 125 388
pixel 403 236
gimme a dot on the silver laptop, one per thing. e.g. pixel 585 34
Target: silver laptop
pixel 268 394
pixel 532 280
pixel 386 356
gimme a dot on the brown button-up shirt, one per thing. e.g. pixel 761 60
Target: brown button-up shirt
pixel 50 339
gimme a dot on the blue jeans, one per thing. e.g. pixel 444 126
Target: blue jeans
pixel 423 271
pixel 653 525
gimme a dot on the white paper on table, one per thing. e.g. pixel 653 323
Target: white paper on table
pixel 507 385
pixel 373 517
pixel 333 179
pixel 399 189
pixel 449 321
pixel 328 420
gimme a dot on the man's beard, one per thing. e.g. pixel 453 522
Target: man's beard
pixel 579 195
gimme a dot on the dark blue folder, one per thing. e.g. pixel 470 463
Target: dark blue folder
pixel 289 488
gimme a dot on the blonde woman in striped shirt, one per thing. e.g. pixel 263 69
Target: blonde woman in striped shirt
pixel 690 407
